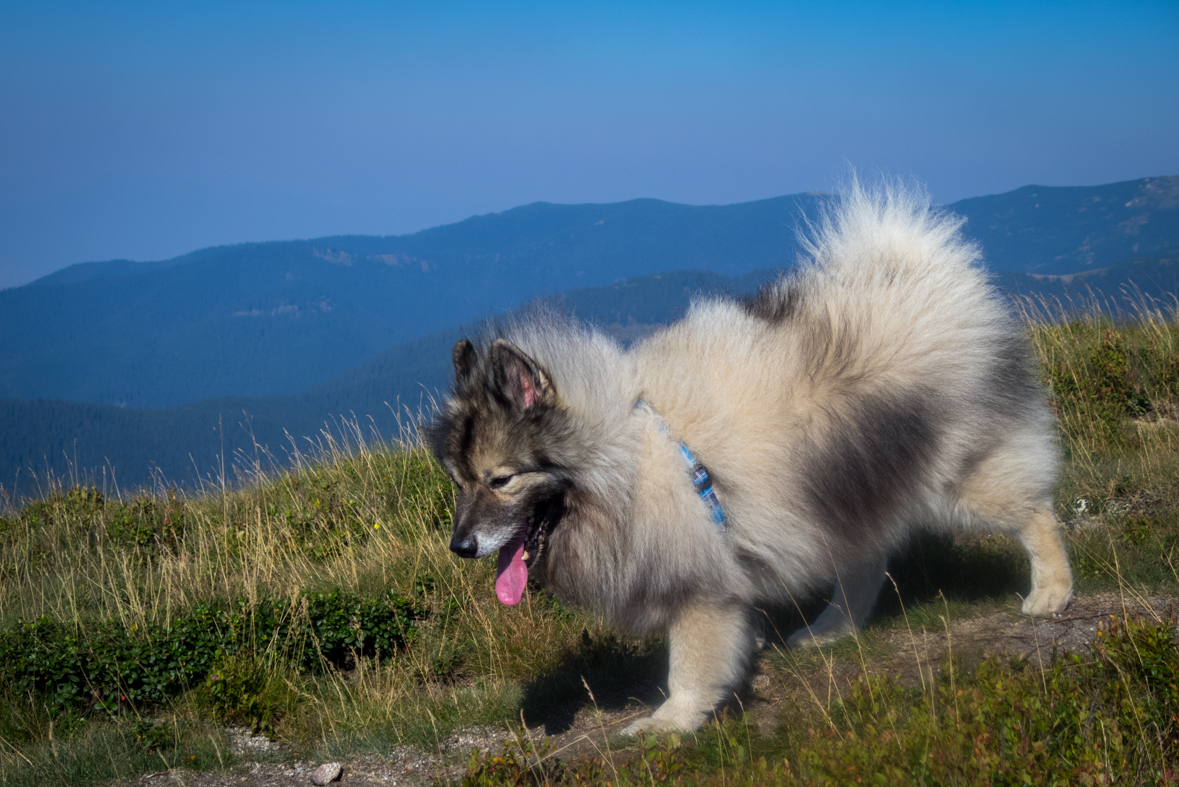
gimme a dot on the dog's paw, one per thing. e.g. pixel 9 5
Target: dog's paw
pixel 813 638
pixel 667 720
pixel 829 627
pixel 649 724
pixel 1047 601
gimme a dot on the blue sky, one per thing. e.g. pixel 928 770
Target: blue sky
pixel 145 130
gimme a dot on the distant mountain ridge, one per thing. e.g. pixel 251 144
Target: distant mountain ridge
pixel 1062 230
pixel 89 271
pixel 585 232
pixel 276 318
pixel 1007 225
pixel 273 319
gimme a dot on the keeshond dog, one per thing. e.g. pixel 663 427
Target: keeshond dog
pixel 758 450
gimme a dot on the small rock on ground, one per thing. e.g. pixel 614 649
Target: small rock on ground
pixel 326 773
pixel 245 744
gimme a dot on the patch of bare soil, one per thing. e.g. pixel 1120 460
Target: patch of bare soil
pixel 582 730
pixel 1038 640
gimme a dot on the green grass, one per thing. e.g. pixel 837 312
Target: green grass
pixel 40 748
pixel 1110 720
pixel 90 579
pixel 116 581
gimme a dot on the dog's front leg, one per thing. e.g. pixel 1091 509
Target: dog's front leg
pixel 711 646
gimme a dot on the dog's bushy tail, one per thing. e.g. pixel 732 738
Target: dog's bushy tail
pixel 888 229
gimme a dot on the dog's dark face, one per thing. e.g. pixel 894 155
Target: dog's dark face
pixel 494 438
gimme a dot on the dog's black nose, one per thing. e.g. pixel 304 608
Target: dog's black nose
pixel 465 547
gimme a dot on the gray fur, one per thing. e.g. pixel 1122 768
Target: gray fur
pixel 881 387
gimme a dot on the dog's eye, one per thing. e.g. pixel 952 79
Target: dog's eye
pixel 500 481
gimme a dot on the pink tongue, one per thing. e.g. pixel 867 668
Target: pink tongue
pixel 511 575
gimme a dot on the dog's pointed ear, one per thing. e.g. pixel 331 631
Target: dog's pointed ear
pixel 519 379
pixel 464 359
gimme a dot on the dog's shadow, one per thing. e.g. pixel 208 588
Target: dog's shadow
pixel 617 672
pixel 605 672
pixel 935 566
pixel 929 568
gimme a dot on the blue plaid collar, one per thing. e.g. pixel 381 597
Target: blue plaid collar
pixel 696 470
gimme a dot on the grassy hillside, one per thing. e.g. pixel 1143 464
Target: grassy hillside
pixel 319 606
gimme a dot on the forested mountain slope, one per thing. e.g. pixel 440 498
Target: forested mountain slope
pixel 277 318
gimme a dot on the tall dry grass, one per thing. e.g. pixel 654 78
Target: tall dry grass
pixel 346 516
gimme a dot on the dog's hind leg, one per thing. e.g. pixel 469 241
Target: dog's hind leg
pixel 997 495
pixel 711 649
pixel 856 587
pixel 1052 580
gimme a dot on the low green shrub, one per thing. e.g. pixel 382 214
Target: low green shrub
pixel 1105 383
pixel 248 689
pixel 106 667
pixel 146 520
pixel 152 735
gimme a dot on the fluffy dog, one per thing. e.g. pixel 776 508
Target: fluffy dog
pixel 758 450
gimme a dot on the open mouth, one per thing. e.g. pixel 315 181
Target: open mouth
pixel 519 554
